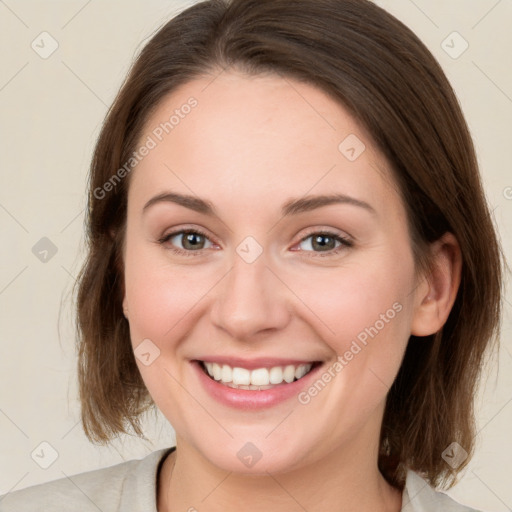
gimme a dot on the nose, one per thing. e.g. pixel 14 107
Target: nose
pixel 250 300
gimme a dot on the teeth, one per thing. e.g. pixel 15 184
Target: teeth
pixel 261 378
pixel 240 376
pixel 300 371
pixel 226 375
pixel 276 375
pixel 289 373
pixel 217 371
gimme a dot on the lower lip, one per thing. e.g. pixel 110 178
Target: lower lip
pixel 249 400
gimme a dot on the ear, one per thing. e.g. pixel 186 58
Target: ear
pixel 125 307
pixel 120 270
pixel 436 294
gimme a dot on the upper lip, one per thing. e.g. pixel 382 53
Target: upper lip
pixel 253 364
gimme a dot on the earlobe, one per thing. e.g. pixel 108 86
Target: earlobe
pixel 125 308
pixel 435 299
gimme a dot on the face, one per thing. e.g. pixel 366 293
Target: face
pixel 239 277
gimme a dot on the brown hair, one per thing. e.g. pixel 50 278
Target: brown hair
pixel 380 71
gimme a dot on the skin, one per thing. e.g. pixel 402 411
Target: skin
pixel 251 144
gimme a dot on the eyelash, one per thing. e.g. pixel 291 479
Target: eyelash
pixel 345 242
pixel 183 252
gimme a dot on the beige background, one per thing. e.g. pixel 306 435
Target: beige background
pixel 52 109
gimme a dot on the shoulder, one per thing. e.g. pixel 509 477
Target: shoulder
pixel 132 483
pixel 419 496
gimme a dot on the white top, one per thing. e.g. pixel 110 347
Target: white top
pixel 132 487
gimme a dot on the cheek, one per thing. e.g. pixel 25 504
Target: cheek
pixel 349 302
pixel 363 313
pixel 162 302
pixel 364 316
pixel 161 296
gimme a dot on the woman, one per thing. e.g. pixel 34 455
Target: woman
pixel 291 256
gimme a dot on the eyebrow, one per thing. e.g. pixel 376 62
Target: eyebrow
pixel 291 207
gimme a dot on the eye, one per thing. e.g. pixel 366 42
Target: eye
pixel 324 242
pixel 192 240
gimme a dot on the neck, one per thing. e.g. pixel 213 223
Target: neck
pixel 347 480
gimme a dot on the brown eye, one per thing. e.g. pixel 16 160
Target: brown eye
pixel 190 240
pixel 324 242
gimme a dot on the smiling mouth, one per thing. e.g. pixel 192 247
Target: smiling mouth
pixel 258 379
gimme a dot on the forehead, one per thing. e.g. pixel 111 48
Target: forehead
pixel 246 137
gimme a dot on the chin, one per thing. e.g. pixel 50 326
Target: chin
pixel 253 457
